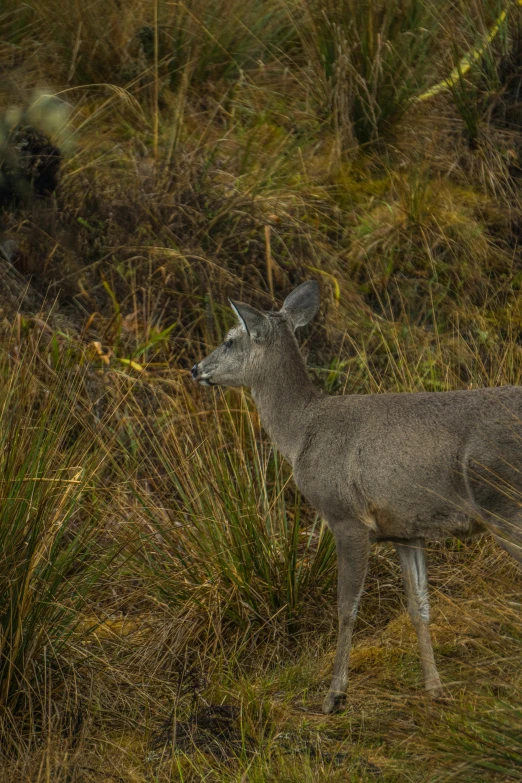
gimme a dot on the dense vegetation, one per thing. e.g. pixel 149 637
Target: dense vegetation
pixel 167 598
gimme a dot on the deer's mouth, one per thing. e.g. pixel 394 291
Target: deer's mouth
pixel 201 377
pixel 204 378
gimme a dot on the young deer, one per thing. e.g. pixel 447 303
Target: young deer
pixel 379 467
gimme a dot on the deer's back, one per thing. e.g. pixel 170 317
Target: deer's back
pixel 421 464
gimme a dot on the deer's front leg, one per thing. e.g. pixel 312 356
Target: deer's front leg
pixel 352 562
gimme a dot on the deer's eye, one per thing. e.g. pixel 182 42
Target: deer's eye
pixel 228 343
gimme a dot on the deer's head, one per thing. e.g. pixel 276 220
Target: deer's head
pixel 257 339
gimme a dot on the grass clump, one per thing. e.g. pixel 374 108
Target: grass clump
pixel 430 237
pixel 369 60
pixel 246 543
pixel 50 523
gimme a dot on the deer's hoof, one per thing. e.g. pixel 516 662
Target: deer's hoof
pixel 334 702
pixel 436 691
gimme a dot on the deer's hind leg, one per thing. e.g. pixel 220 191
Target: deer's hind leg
pixel 415 576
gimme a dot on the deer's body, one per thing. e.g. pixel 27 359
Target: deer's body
pixel 408 465
pixel 400 467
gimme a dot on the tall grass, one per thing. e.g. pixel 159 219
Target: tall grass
pixel 82 43
pixel 230 530
pixel 485 85
pixel 368 60
pixel 196 38
pixel 478 85
pixel 103 42
pixel 50 521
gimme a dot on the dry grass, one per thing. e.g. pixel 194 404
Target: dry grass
pixel 168 611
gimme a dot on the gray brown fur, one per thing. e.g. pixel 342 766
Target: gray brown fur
pixel 403 467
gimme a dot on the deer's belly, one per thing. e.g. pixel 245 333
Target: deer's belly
pixel 402 512
pixel 385 524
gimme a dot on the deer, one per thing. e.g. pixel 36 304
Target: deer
pixel 405 467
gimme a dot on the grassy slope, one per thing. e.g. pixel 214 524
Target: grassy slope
pixel 227 149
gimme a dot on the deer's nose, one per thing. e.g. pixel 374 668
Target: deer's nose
pixel 194 371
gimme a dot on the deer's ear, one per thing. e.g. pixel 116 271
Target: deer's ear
pixel 252 321
pixel 302 304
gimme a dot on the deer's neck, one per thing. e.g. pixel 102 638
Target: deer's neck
pixel 283 393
